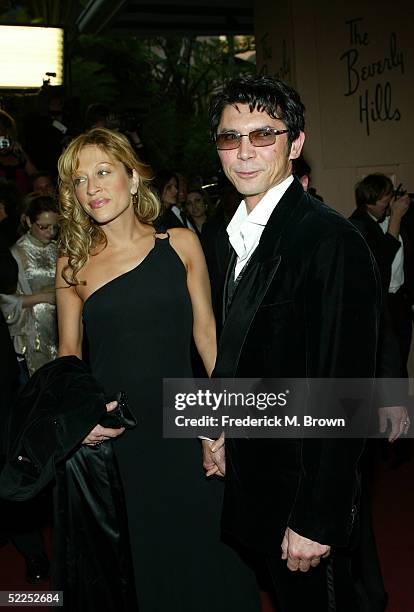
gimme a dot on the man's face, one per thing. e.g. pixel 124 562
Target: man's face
pixel 381 206
pixel 255 170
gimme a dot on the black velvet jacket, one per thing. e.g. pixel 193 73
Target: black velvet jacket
pixel 384 248
pixel 57 408
pixel 308 306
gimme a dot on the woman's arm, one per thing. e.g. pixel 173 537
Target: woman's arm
pixel 69 313
pixel 69 309
pixel 188 247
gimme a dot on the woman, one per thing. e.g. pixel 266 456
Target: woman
pixel 31 311
pixel 138 295
pixel 172 193
pixel 197 207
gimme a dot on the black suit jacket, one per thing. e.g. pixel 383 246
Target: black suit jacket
pixel 384 248
pixel 307 306
pixel 216 247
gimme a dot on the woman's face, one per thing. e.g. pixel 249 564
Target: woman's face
pixel 45 227
pixel 195 204
pixel 102 185
pixel 170 192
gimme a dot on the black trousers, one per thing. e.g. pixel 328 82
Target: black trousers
pixel 401 318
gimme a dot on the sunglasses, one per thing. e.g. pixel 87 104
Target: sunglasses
pixel 258 138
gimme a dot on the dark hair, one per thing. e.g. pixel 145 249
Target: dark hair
pixel 39 205
pixel 95 113
pixel 372 188
pixel 161 179
pixel 300 167
pixel 39 174
pixel 263 93
pixel 10 197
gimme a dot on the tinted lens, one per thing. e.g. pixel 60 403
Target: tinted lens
pixel 262 138
pixel 227 141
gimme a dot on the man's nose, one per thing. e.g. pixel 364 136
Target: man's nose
pixel 246 149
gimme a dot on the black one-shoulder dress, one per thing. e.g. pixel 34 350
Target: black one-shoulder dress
pixel 139 329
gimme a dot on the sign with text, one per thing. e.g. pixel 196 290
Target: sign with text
pixel 366 65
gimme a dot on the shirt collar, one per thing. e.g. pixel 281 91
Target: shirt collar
pixel 261 212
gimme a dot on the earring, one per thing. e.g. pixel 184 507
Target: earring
pixel 135 198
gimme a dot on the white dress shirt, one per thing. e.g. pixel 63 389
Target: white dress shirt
pixel 397 268
pixel 245 229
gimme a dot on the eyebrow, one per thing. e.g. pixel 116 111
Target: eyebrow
pixel 79 170
pixel 262 127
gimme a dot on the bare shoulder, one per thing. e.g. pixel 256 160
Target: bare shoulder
pixel 186 244
pixel 185 239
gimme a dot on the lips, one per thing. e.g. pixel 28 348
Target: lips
pixel 247 174
pixel 98 203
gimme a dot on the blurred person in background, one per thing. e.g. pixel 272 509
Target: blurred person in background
pixel 10 202
pixel 42 183
pixel 167 185
pixel 97 115
pixel 197 207
pixel 30 311
pixel 15 164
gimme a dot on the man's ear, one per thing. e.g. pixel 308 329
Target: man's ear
pixel 305 181
pixel 297 145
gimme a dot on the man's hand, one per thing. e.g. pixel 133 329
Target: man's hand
pixel 399 206
pixel 302 553
pixel 214 458
pixel 398 417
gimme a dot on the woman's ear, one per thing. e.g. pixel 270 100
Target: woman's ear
pixel 135 182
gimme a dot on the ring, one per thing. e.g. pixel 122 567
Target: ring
pixel 405 422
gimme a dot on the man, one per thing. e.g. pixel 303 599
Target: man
pixel 379 217
pixel 302 300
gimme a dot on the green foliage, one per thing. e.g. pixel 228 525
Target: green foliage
pixel 176 129
pixel 91 82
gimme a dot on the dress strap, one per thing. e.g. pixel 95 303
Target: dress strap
pixel 161 236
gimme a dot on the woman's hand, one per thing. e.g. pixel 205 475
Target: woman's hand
pixel 214 457
pixel 99 434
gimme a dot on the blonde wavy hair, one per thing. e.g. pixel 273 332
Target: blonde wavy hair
pixel 79 233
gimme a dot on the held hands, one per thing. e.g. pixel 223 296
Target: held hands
pixel 214 458
pixel 99 434
pixel 302 553
pixel 398 417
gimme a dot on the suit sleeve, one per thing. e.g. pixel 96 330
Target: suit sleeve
pixel 343 297
pixel 384 247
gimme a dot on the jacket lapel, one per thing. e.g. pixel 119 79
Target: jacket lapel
pixel 246 301
pixel 252 288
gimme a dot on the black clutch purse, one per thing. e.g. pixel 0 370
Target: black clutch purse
pixel 121 416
